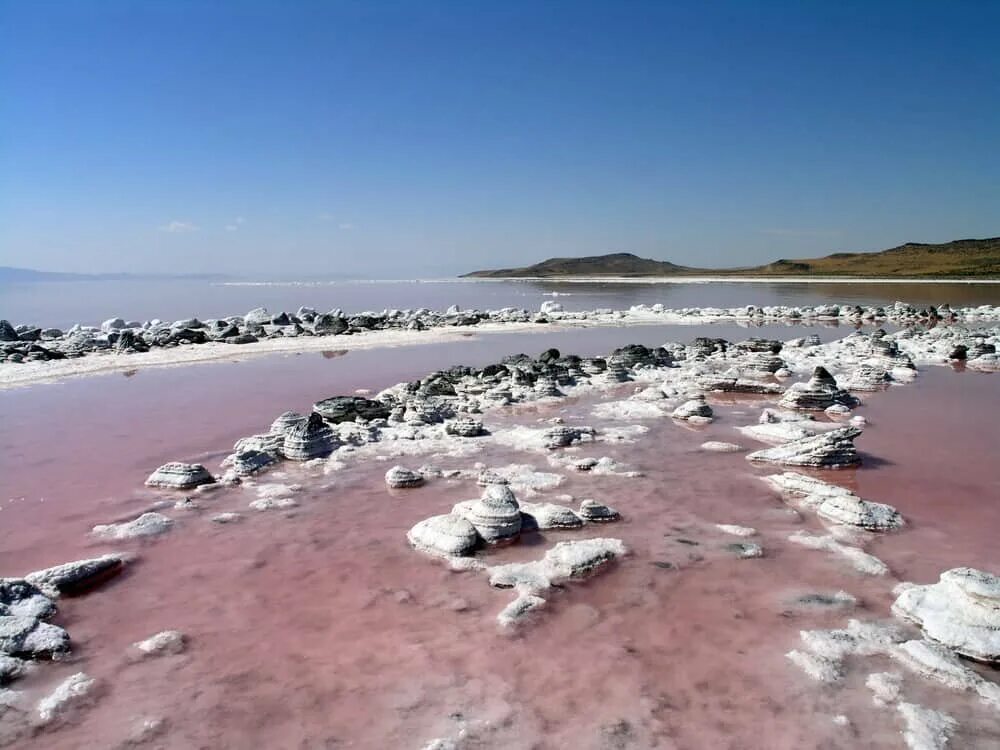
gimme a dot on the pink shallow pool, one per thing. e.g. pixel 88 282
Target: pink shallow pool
pixel 319 627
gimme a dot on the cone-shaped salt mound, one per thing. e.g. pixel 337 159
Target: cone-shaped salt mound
pixel 831 450
pixel 179 476
pixel 399 477
pixel 286 420
pixel 464 427
pixel 696 408
pixel 496 515
pixel 961 610
pixel 821 392
pixel 249 462
pixel 446 536
pixel 595 512
pixel 311 438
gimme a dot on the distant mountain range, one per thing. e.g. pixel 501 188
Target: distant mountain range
pixel 8 273
pixel 974 259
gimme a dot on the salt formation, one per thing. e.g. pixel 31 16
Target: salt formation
pixel 179 476
pixel 564 561
pixel 23 630
pixel 830 450
pixel 465 427
pixel 447 535
pixel 820 392
pixel 496 515
pixel 546 516
pixel 961 610
pixel 695 410
pixel 777 426
pixel 284 421
pixel 561 436
pixel 399 477
pixel 75 690
pixel 148 524
pixel 725 384
pixel 595 512
pixel 350 409
pixel 249 462
pixel 851 510
pixel 716 446
pixel 867 377
pixel 311 438
pixel 164 642
pixel 76 577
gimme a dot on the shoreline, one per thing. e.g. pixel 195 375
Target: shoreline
pixel 730 279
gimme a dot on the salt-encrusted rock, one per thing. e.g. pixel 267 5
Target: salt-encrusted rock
pixel 817 667
pixel 75 690
pixel 937 662
pixel 488 477
pixel 886 687
pixel 271 443
pixel 716 446
pixel 793 484
pixel 518 609
pixel 29 637
pixel 249 462
pixel 851 510
pixel 309 439
pixel 285 421
pixel 961 610
pixel 779 426
pixel 350 409
pixel 10 669
pixel 163 643
pixel 746 550
pixel 226 517
pixel 445 536
pixel 734 530
pixel 148 524
pixel 546 516
pixel 496 515
pixel 564 561
pixel 76 577
pixel 561 436
pixel 464 427
pixel 399 477
pixel 817 394
pixel 595 512
pixel 179 476
pixel 738 385
pixel 18 598
pixel 273 503
pixel 860 560
pixel 926 729
pixel 831 450
pixel 866 377
pixel 695 409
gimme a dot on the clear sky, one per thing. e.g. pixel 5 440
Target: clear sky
pixel 421 138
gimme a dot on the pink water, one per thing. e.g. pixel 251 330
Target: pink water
pixel 320 628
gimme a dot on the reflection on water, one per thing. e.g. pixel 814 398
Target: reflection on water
pixel 64 303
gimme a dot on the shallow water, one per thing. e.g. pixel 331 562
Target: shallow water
pixel 64 303
pixel 320 628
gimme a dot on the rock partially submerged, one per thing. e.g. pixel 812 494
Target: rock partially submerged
pixel 308 439
pixel 76 577
pixel 179 476
pixel 546 516
pixel 23 631
pixel 448 535
pixel 246 463
pixel 830 450
pixel 399 477
pixel 163 643
pixel 350 409
pixel 961 610
pixel 595 512
pixel 74 691
pixel 148 524
pixel 778 426
pixel 496 515
pixel 565 561
pixel 851 510
pixel 819 393
pixel 464 427
pixel 695 410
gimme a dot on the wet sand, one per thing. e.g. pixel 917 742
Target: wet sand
pixel 320 628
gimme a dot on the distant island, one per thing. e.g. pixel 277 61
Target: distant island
pixel 960 259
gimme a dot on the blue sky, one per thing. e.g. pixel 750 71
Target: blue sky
pixel 398 139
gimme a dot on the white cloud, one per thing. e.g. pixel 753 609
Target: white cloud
pixel 345 226
pixel 176 227
pixel 236 224
pixel 231 227
pixel 325 216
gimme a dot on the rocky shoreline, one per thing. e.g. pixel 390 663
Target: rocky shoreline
pixel 32 343
pixel 449 413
